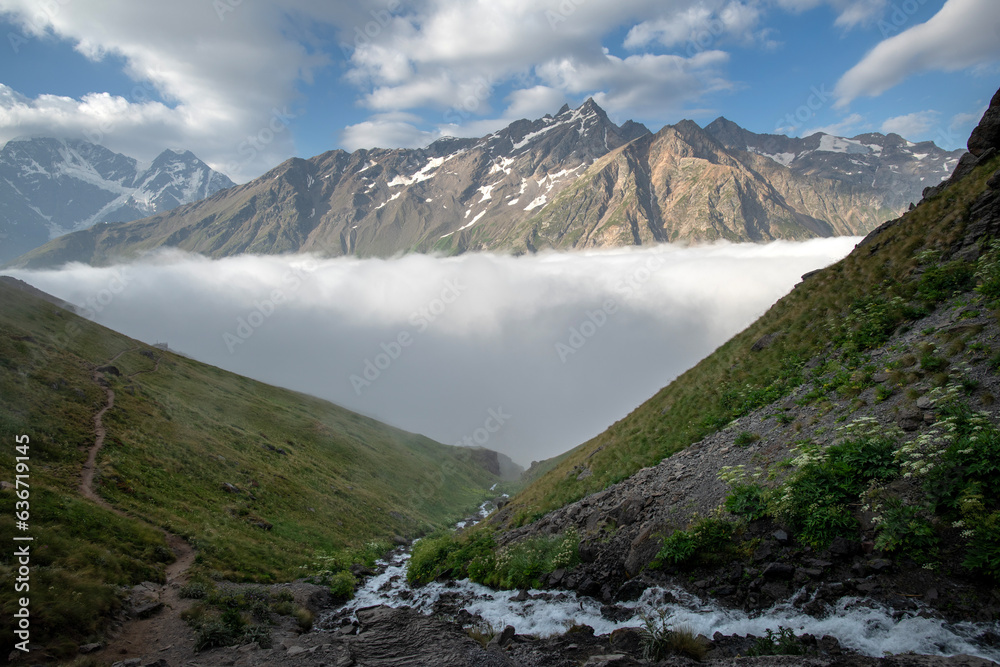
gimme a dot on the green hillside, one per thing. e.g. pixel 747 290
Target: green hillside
pixel 898 275
pixel 259 480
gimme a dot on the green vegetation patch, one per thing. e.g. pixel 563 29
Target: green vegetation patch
pixel 475 555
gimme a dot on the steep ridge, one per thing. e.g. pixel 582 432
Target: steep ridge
pixel 50 187
pixel 572 180
pixel 844 444
pixel 266 484
pixel 887 164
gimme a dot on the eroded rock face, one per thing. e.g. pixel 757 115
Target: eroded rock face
pixel 986 135
pixel 390 637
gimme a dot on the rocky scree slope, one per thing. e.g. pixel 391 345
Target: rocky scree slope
pixel 570 180
pixel 846 443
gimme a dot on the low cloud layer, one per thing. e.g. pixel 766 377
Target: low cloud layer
pixel 530 356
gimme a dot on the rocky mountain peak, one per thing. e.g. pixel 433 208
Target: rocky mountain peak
pixel 50 187
pixel 560 181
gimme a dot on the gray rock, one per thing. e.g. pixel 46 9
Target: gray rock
pixel 605 660
pixel 780 536
pixel 925 403
pixel 392 637
pixel 841 546
pixel 767 340
pixel 879 564
pixel 505 637
pixel 910 420
pixel 986 135
pixel 147 609
pixel 90 648
pixel 779 571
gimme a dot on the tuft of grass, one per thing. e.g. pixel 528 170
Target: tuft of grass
pixel 745 438
pixel 660 639
pixel 483 633
pixel 304 618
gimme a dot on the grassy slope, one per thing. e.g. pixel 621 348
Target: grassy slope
pixel 175 436
pixel 734 379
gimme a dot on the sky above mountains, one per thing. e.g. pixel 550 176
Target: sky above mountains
pixel 246 85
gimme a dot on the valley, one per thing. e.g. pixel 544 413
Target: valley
pixel 822 487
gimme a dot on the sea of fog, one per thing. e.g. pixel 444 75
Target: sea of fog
pixel 527 355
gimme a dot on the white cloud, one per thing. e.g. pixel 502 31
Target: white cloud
pixel 700 26
pixel 534 102
pixel 845 127
pixel 385 132
pixel 912 124
pixel 493 346
pixel 639 83
pixel 455 56
pixel 962 34
pixel 850 13
pixel 967 120
pixel 227 79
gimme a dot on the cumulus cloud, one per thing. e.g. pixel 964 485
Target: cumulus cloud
pixel 913 124
pixel 699 26
pixel 386 131
pixel 962 34
pixel 644 83
pixel 220 83
pixel 565 344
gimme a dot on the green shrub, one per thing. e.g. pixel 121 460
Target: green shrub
pixel 932 364
pixel 870 323
pixel 745 438
pixel 522 565
pixel 446 554
pixel 706 540
pixel 940 281
pixel 983 553
pixel 214 634
pixel 782 642
pixel 748 500
pixel 196 590
pixel 257 633
pixel 906 529
pixel 476 556
pixel 342 585
pixel 988 272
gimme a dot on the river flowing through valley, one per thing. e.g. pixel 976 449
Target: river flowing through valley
pixel 858 624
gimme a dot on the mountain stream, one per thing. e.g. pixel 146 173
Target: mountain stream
pixel 858 624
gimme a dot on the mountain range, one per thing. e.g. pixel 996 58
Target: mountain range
pixel 569 181
pixel 50 187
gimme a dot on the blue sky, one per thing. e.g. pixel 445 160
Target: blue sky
pixel 246 85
